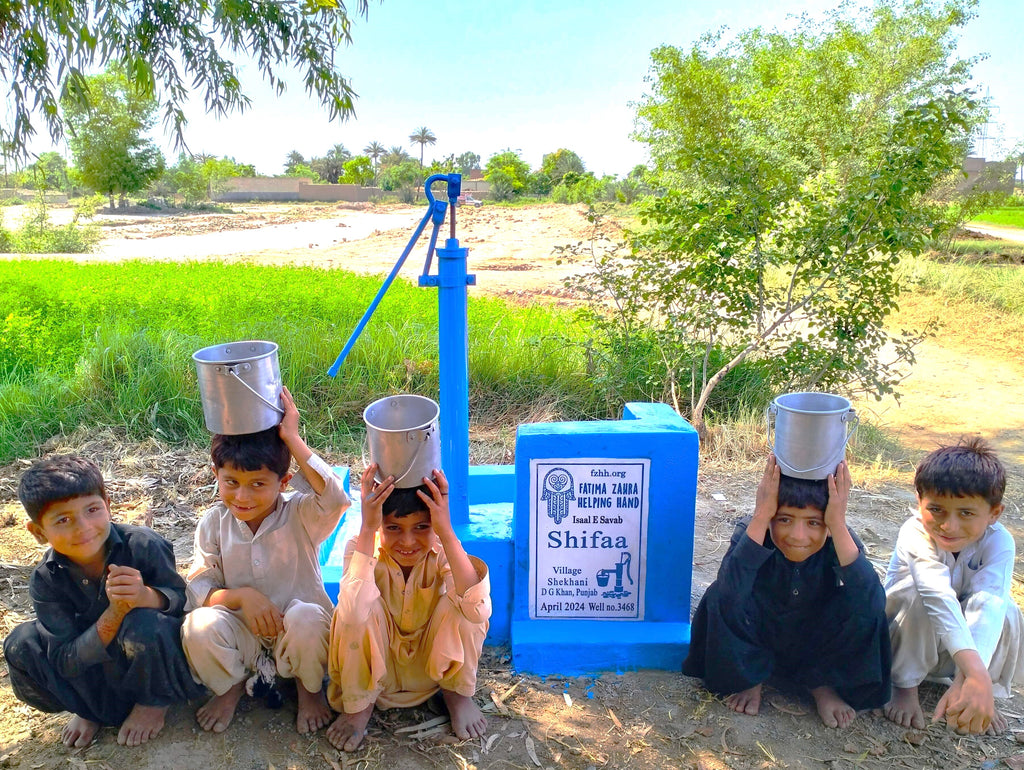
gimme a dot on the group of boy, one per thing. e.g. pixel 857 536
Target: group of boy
pixel 119 636
pixel 796 599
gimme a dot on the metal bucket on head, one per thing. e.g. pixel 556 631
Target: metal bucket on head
pixel 403 438
pixel 240 386
pixel 810 433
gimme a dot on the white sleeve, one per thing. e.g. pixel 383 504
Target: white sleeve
pixel 990 574
pixel 320 514
pixel 207 571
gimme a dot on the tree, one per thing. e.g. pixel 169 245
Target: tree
pixel 294 158
pixel 107 139
pixel 358 170
pixel 559 163
pixel 171 49
pixel 49 172
pixel 508 175
pixel 395 156
pixel 796 167
pixel 467 161
pixel 422 136
pixel 374 151
pixel 332 165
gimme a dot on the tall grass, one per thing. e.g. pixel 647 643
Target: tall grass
pixel 996 286
pixel 111 344
pixel 1007 216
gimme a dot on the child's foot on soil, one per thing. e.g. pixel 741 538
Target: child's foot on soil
pixel 998 724
pixel 79 732
pixel 143 723
pixel 833 710
pixel 218 712
pixel 467 719
pixel 746 702
pixel 348 730
pixel 905 708
pixel 314 712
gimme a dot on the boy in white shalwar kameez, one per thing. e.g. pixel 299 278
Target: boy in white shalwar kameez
pixel 948 594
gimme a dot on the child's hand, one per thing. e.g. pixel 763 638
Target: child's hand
pixel 968 705
pixel 373 494
pixel 289 427
pixel 838 498
pixel 766 503
pixel 261 615
pixel 437 503
pixel 125 587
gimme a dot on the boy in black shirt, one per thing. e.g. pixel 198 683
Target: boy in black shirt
pixel 795 596
pixel 105 644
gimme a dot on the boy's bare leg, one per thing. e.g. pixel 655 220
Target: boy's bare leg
pixel 833 710
pixel 348 730
pixel 143 723
pixel 905 708
pixel 314 712
pixel 467 719
pixel 78 732
pixel 746 702
pixel 218 712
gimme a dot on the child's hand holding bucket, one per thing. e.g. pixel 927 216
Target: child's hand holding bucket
pixel 437 503
pixel 289 427
pixel 766 502
pixel 373 494
pixel 839 485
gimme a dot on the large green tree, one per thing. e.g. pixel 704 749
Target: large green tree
pixel 507 174
pixel 108 140
pixel 561 162
pixel 796 166
pixel 171 50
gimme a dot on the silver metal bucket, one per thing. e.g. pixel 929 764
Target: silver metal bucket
pixel 240 386
pixel 810 433
pixel 403 438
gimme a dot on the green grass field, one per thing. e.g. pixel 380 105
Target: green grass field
pixel 1006 216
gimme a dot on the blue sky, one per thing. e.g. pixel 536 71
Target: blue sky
pixel 533 76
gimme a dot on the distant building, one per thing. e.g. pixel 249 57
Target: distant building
pixel 989 175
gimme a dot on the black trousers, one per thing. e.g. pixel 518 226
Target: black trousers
pixel 146 666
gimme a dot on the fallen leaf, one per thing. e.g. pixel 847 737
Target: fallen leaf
pixel 568 700
pixel 491 741
pixel 915 737
pixel 1016 762
pixel 1019 737
pixel 707 731
pixel 532 751
pixel 615 719
pixel 327 758
pixel 849 748
pixel 780 704
pixel 502 708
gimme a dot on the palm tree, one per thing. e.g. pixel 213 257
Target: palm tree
pixel 422 136
pixel 339 152
pixel 373 151
pixel 394 156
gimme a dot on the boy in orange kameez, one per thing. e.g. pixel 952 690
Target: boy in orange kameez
pixel 410 621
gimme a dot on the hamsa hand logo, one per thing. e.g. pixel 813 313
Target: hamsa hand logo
pixel 557 492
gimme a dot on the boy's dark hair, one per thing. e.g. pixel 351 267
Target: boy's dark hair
pixel 405 501
pixel 803 493
pixel 57 478
pixel 969 468
pixel 252 451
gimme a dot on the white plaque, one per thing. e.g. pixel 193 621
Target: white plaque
pixel 588 538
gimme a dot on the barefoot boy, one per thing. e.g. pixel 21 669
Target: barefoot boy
pixel 795 597
pixel 255 580
pixel 411 620
pixel 105 644
pixel 948 593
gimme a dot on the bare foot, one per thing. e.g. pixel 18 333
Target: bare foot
pixel 314 712
pixel 79 732
pixel 143 723
pixel 998 724
pixel 348 730
pixel 467 719
pixel 833 710
pixel 216 715
pixel 746 702
pixel 905 709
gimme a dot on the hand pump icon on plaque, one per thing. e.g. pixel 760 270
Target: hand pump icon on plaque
pixel 623 566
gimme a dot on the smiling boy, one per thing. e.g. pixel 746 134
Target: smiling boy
pixel 795 597
pixel 255 580
pixel 412 614
pixel 105 644
pixel 948 593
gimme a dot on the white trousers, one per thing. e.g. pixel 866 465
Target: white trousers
pixel 222 650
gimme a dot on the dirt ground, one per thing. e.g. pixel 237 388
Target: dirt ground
pixel 967 379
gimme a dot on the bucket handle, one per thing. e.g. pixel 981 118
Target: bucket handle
pixel 849 416
pixel 412 464
pixel 231 370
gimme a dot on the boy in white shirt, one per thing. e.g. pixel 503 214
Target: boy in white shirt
pixel 948 593
pixel 255 581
